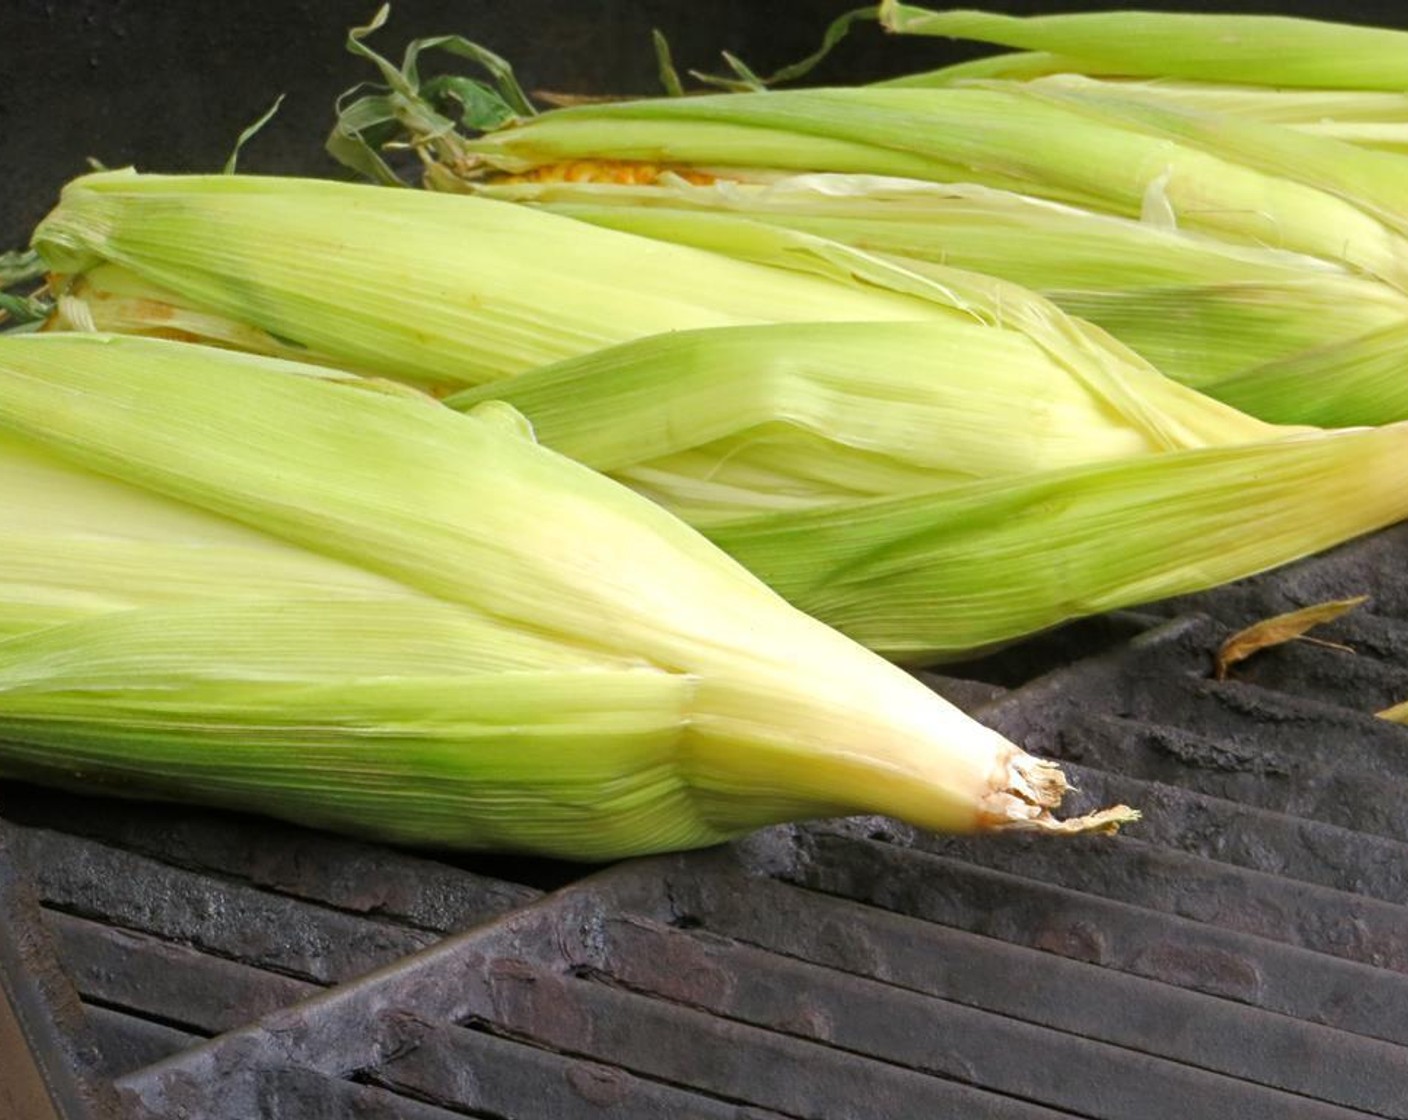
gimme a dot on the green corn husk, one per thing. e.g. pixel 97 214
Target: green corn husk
pixel 109 297
pixel 1371 119
pixel 941 575
pixel 1373 181
pixel 1286 190
pixel 734 421
pixel 1243 49
pixel 1202 311
pixel 442 292
pixel 1097 147
pixel 1339 86
pixel 1017 66
pixel 784 468
pixel 1359 384
pixel 388 618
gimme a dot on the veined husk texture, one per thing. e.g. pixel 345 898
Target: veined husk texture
pixel 730 422
pixel 797 276
pixel 1234 178
pixel 1268 50
pixel 938 575
pixel 1373 119
pixel 1307 332
pixel 929 508
pixel 247 583
pixel 442 292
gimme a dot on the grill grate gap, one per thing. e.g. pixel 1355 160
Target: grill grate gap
pixel 210 951
pixel 287 861
pixel 126 1043
pixel 595 975
pixel 372 1079
pixel 1239 835
pixel 1161 880
pixel 1331 991
pixel 196 1032
pixel 484 1026
pixel 1076 1000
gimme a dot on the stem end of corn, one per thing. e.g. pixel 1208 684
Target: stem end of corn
pixel 1035 786
pixel 1036 782
pixel 1104 821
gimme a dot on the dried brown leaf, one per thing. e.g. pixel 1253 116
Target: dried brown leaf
pixel 1280 629
pixel 559 99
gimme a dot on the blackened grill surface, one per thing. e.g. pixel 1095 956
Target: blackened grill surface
pixel 1243 952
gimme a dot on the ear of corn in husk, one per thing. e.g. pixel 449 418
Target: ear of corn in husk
pixel 1291 191
pixel 724 423
pixel 842 468
pixel 389 618
pixel 848 283
pixel 1308 332
pixel 1086 352
pixel 442 292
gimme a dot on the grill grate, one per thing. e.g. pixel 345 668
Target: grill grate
pixel 1242 952
pixel 175 925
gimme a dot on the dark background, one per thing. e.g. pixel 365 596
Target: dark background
pixel 168 86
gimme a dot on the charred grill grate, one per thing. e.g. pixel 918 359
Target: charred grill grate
pixel 1243 952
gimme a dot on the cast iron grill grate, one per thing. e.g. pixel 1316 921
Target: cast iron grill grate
pixel 1242 952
